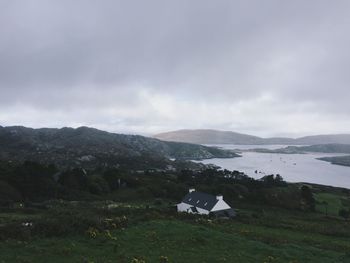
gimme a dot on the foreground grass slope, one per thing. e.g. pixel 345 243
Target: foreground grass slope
pixel 176 241
pixel 157 234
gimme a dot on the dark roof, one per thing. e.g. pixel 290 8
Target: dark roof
pixel 201 200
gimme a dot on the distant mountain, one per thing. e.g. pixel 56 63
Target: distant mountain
pixel 208 137
pixel 325 139
pixel 228 137
pixel 87 146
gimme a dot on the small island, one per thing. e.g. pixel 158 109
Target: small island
pixel 337 160
pixel 318 148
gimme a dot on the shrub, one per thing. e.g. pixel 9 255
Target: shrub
pixel 163 259
pixel 97 185
pixel 15 231
pixel 344 213
pixel 8 193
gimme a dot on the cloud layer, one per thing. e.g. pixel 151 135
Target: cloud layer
pixel 263 67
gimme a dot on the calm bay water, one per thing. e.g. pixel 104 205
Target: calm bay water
pixel 292 167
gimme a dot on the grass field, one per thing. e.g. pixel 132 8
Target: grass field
pixel 176 241
pixel 330 203
pixel 256 235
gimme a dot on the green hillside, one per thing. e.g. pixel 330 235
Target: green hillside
pixel 88 148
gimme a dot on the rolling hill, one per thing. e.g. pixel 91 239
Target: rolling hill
pixel 208 137
pixel 228 137
pixel 87 146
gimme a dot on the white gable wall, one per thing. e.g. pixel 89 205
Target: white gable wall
pixel 220 205
pixel 183 207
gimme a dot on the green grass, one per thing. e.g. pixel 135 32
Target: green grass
pixel 334 203
pixel 257 234
pixel 13 217
pixel 182 242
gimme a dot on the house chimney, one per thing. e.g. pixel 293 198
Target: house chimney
pixel 219 197
pixel 191 190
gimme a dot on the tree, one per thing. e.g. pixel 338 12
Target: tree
pixel 8 192
pixel 307 196
pixel 113 178
pixel 344 213
pixel 325 204
pixel 273 180
pixel 35 181
pixel 98 185
pixel 74 179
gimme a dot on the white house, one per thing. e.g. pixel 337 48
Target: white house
pixel 201 203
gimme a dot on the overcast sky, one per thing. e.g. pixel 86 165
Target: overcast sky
pixel 268 68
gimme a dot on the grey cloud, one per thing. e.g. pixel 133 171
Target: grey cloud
pixel 103 56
